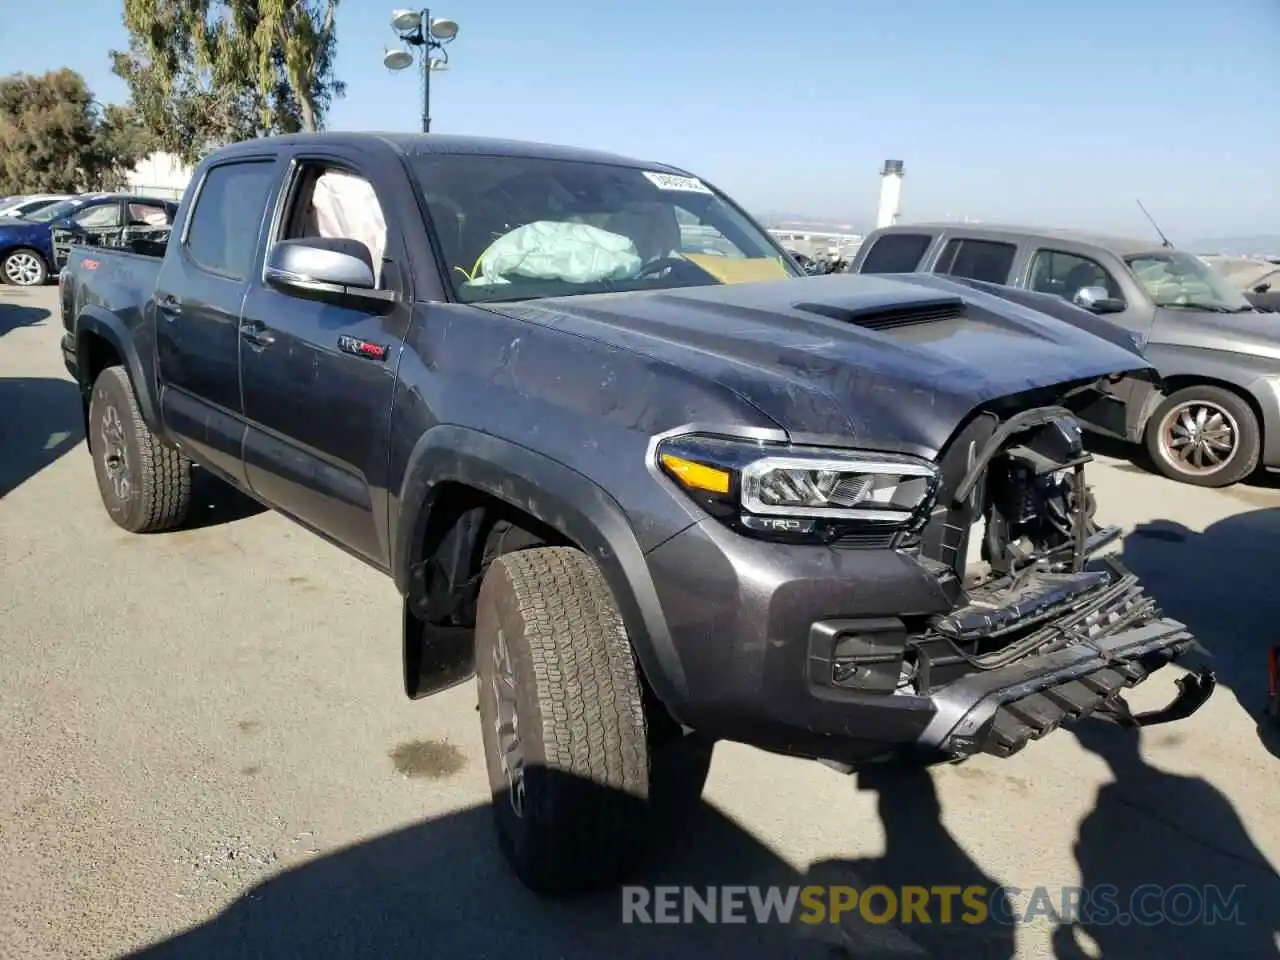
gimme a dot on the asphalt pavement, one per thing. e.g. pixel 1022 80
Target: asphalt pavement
pixel 205 752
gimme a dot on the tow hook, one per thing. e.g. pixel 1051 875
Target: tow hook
pixel 1194 691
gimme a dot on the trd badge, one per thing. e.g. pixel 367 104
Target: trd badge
pixel 362 348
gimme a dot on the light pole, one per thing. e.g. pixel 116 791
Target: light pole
pixel 416 29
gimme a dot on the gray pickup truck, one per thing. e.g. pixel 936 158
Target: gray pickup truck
pixel 1218 355
pixel 650 490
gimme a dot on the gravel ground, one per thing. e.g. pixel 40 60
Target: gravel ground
pixel 206 753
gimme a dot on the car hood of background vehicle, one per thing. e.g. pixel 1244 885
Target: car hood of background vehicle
pixel 801 351
pixel 1256 334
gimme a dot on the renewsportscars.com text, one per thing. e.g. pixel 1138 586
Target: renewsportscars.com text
pixel 1149 905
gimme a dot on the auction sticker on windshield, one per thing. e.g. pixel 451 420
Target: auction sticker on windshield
pixel 669 181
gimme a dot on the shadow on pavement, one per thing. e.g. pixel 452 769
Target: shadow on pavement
pixel 40 420
pixel 214 502
pixel 920 852
pixel 1182 837
pixel 1221 583
pixel 441 889
pixel 15 315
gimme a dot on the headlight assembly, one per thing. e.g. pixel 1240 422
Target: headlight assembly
pixel 800 491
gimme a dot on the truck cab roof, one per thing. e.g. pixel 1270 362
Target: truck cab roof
pixel 415 144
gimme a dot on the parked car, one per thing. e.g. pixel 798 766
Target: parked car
pixel 30 203
pixel 648 499
pixel 27 255
pixel 1218 417
pixel 1257 278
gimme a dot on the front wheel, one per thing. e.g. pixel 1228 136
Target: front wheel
pixel 145 485
pixel 1205 436
pixel 563 717
pixel 24 268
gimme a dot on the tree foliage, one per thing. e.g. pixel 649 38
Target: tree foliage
pixel 207 72
pixel 55 138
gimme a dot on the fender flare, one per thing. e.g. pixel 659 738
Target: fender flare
pixel 1251 377
pixel 562 499
pixel 108 326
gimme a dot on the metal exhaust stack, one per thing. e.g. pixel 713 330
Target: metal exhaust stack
pixel 890 193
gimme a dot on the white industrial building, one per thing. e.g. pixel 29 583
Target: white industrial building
pixel 159 175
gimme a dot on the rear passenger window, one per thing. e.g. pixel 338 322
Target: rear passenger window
pixel 977 260
pixel 896 253
pixel 147 215
pixel 223 232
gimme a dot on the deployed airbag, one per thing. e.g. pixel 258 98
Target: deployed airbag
pixel 551 250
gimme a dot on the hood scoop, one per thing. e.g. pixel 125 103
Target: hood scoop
pixel 880 317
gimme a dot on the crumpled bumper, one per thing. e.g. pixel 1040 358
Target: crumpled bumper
pixel 1000 711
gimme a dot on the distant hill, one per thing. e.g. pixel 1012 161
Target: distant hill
pixel 1266 244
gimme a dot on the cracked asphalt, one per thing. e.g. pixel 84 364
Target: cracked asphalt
pixel 205 752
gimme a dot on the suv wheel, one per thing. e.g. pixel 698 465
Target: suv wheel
pixel 564 727
pixel 24 268
pixel 1205 436
pixel 145 484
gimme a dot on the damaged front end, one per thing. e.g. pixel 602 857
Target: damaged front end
pixel 1043 630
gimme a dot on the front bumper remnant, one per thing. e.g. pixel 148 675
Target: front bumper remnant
pixel 1001 711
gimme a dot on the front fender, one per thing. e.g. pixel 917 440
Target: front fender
pixel 98 322
pixel 557 496
pixel 1257 377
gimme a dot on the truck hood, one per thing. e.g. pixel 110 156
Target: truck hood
pixel 887 364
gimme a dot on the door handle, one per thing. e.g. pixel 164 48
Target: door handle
pixel 257 334
pixel 169 306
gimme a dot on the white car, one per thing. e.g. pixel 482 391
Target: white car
pixel 21 206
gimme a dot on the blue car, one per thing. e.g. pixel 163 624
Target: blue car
pixel 26 243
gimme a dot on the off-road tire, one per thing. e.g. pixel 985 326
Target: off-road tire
pixel 1243 460
pixel 577 700
pixel 156 494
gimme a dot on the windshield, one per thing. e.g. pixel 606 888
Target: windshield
pixel 53 211
pixel 1176 279
pixel 514 228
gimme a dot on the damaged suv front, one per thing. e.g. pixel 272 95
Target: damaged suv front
pixel 884 603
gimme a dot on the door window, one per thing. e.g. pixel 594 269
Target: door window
pixel 147 215
pixel 1064 274
pixel 329 202
pixel 985 260
pixel 896 253
pixel 223 231
pixel 99 216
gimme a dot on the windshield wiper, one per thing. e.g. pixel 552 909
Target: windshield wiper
pixel 1197 305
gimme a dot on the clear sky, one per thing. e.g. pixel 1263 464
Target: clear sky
pixel 1054 113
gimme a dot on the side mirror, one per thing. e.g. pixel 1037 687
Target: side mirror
pixel 335 270
pixel 1097 300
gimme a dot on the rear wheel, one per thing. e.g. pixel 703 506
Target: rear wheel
pixel 1205 436
pixel 567 745
pixel 24 268
pixel 145 485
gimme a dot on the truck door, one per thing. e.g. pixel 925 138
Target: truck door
pixel 197 312
pixel 318 376
pixel 1066 272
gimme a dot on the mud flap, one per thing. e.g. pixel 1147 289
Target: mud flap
pixel 1194 691
pixel 435 658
